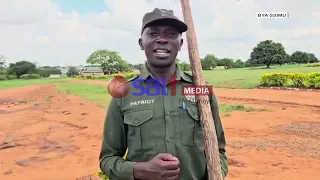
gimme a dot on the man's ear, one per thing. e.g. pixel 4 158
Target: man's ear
pixel 140 44
pixel 181 43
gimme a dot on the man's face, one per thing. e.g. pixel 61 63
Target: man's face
pixel 161 44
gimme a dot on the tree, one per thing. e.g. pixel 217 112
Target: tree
pixel 2 61
pixel 313 58
pixel 280 59
pixel 72 71
pixel 287 59
pixel 45 71
pixel 229 63
pixel 138 66
pixel 267 52
pixel 122 66
pixel 109 61
pixel 300 57
pixel 185 66
pixel 209 62
pixel 21 67
pixel 238 64
pixel 178 61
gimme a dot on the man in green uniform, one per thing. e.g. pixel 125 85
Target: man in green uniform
pixel 162 133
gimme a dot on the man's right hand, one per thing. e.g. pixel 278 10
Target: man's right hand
pixel 161 167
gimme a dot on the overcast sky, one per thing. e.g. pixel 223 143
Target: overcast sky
pixel 66 32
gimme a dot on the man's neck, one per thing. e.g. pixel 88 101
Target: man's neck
pixel 161 73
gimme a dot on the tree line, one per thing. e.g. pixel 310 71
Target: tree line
pixel 16 70
pixel 266 53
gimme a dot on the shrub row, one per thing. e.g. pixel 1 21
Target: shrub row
pixel 126 75
pixel 92 77
pixel 4 76
pixel 313 65
pixel 310 80
pixel 30 76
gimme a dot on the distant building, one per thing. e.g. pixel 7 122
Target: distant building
pixel 221 67
pixel 55 76
pixel 63 70
pixel 96 71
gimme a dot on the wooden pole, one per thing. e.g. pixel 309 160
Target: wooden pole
pixel 207 123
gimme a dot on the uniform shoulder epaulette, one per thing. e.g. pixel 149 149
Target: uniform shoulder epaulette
pixel 186 73
pixel 134 77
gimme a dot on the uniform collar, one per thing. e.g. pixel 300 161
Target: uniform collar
pixel 145 74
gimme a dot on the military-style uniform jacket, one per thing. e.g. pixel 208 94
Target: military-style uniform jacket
pixel 147 125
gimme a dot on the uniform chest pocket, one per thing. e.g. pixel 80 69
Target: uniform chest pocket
pixel 139 124
pixel 190 127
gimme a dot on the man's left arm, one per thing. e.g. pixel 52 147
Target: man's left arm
pixel 220 134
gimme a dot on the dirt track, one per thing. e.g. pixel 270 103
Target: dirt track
pixel 46 135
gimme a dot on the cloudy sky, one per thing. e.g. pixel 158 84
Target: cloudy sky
pixel 66 32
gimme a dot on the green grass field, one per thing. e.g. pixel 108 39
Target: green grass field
pixel 99 94
pixel 241 78
pixel 25 82
pixel 247 78
pixel 96 93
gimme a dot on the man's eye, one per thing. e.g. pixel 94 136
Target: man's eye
pixel 173 34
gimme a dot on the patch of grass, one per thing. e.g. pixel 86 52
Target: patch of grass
pixel 248 78
pixel 96 93
pixel 26 101
pixel 48 99
pixel 227 108
pixel 25 82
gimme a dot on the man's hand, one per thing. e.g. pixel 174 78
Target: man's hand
pixel 161 167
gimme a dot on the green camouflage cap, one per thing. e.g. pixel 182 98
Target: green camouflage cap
pixel 163 15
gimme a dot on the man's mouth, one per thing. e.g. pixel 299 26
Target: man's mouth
pixel 162 52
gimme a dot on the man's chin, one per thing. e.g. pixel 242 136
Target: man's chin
pixel 161 62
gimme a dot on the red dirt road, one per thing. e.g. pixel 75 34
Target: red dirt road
pixel 47 135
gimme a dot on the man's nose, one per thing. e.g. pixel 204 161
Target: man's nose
pixel 162 39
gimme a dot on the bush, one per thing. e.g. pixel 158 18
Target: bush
pixel 33 76
pixel 3 74
pixel 115 75
pixel 30 76
pixel 311 80
pixel 274 79
pixel 3 78
pixel 103 77
pixel 90 77
pixel 298 79
pixel 126 75
pixel 11 77
pixel 313 65
pixel 129 75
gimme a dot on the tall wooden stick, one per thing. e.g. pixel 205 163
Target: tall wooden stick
pixel 207 123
